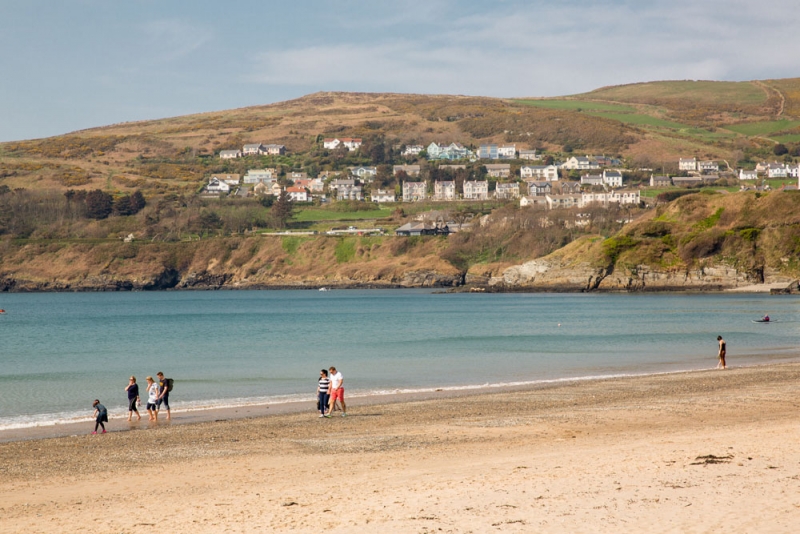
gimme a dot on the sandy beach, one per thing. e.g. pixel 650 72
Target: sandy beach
pixel 707 451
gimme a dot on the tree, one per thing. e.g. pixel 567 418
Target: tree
pixel 780 149
pixel 122 206
pixel 282 210
pixel 137 201
pixel 99 205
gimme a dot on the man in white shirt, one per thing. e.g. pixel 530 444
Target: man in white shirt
pixel 337 391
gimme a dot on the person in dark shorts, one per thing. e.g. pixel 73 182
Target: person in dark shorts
pixel 101 416
pixel 722 351
pixel 152 399
pixel 133 398
pixel 163 394
pixel 323 387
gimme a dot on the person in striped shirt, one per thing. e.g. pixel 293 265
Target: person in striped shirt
pixel 323 392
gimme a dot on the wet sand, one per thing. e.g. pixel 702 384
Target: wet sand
pixel 704 451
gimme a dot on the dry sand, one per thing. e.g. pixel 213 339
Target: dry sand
pixel 709 451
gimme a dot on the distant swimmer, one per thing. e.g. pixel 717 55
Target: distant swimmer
pixel 766 318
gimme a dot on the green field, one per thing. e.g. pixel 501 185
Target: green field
pixel 639 119
pixel 792 138
pixel 577 105
pixel 312 215
pixel 763 128
pixel 703 91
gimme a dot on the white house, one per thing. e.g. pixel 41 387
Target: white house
pixel 316 185
pixel 412 150
pixel 580 163
pixel 254 176
pixel 707 166
pixel 529 155
pixel 230 179
pixel 274 150
pixel 349 192
pixel 476 190
pixel 507 151
pixel 687 164
pixel 607 197
pixel 444 190
pixel 777 170
pixel 297 194
pixel 230 154
pixel 383 195
pixel 503 191
pixel 592 179
pixel 498 170
pixel 793 172
pixel 748 175
pixel 215 185
pixel 350 143
pixel 562 201
pixel 612 178
pixel 414 191
pixel 534 201
pixel 253 149
pixel 540 172
pixel 365 173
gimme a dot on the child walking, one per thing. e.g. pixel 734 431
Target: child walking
pixel 101 416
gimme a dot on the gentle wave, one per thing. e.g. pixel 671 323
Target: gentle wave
pixel 64 418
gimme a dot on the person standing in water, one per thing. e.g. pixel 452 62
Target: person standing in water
pixel 722 351
pixel 152 399
pixel 101 416
pixel 133 398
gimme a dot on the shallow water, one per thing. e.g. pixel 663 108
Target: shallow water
pixel 59 351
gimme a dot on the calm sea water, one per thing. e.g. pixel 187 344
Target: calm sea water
pixel 60 351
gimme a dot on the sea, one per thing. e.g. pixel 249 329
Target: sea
pixel 60 351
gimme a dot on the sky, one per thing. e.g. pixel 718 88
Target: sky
pixel 66 65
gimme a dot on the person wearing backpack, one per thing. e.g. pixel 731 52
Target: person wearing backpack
pixel 164 387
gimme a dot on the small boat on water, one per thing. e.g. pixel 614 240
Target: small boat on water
pixel 764 319
pixel 324 289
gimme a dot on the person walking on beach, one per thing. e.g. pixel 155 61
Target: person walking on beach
pixel 101 416
pixel 337 391
pixel 722 351
pixel 163 394
pixel 133 398
pixel 323 386
pixel 152 399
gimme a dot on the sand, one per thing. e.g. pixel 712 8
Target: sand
pixel 707 451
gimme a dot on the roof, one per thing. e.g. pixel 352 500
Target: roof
pixel 295 189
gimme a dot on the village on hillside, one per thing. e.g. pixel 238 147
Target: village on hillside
pixel 458 173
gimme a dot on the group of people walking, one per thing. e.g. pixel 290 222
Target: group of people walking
pixel 157 396
pixel 330 389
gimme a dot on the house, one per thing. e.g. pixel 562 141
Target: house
pixel 230 179
pixel 316 185
pixel 605 161
pixel 580 163
pixel 349 192
pixel 350 143
pixel 507 151
pixel 660 181
pixel 612 178
pixel 541 172
pixel 242 192
pixel 529 155
pixel 254 176
pixel 777 170
pixel 534 202
pixel 536 189
pixel 274 188
pixel 761 168
pixel 687 164
pixel 707 166
pixel 297 175
pixel 710 178
pixel 453 151
pixel 444 190
pixel 592 179
pixel 411 170
pixel 383 195
pixel 274 150
pixel 498 170
pixel 414 191
pixel 488 152
pixel 366 174
pixel 230 154
pixel 342 182
pixel 262 189
pixel 793 172
pixel 608 197
pixel 253 149
pixel 476 190
pixel 686 181
pixel 412 150
pixel 505 191
pixel 562 201
pixel 568 188
pixel 215 185
pixel 297 194
pixel 747 175
pixel 422 228
pixel 302 182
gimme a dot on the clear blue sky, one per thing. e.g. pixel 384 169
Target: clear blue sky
pixel 72 64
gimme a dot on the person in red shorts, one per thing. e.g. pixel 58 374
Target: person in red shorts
pixel 337 391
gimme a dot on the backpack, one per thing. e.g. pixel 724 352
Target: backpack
pixel 169 384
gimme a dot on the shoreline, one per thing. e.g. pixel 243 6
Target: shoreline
pixel 189 416
pixel 669 453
